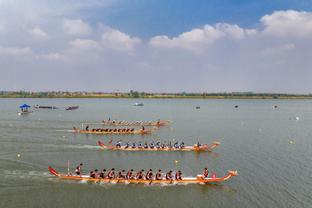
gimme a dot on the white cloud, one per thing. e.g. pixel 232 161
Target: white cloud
pixel 117 40
pixel 52 56
pixel 76 27
pixel 199 38
pixel 278 50
pixel 288 23
pixel 38 33
pixel 84 44
pixel 14 51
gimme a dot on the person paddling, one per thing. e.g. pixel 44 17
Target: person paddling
pixel 129 174
pixel 111 173
pixel 158 175
pixel 169 175
pixel 121 174
pixel 149 175
pixel 102 174
pixel 140 175
pixel 78 169
pixel 87 128
pixel 206 173
pixel 178 175
pixel 92 174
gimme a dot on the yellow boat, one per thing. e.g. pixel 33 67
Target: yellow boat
pixel 199 179
pixel 204 147
pixel 112 131
pixel 135 123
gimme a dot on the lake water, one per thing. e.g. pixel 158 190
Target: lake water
pixel 270 148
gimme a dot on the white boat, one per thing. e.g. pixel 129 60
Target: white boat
pixel 138 104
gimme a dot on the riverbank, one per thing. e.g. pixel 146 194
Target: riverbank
pixel 162 96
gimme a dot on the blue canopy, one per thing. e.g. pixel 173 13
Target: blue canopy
pixel 24 106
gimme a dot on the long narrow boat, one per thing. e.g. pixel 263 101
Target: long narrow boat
pixel 113 131
pixel 185 180
pixel 204 147
pixel 135 123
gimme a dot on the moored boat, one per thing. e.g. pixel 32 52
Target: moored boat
pixel 74 107
pixel 45 107
pixel 24 110
pixel 135 123
pixel 199 179
pixel 113 131
pixel 204 147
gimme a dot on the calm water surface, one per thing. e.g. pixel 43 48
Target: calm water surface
pixel 270 148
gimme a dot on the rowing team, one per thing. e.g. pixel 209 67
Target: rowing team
pixel 131 175
pixel 131 123
pixel 152 145
pixel 109 130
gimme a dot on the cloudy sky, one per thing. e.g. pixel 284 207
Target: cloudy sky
pixel 156 45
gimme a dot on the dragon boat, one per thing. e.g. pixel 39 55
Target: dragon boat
pixel 135 123
pixel 112 131
pixel 199 179
pixel 204 147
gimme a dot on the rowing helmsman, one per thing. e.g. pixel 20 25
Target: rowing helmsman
pixel 206 173
pixel 78 169
pixel 133 145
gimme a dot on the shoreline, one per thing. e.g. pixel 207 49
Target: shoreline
pixel 255 97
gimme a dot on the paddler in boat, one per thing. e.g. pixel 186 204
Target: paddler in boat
pixel 169 175
pixel 129 174
pixel 143 129
pixel 121 174
pixel 92 174
pixel 176 145
pixel 157 145
pixel 152 145
pixel 102 174
pixel 158 122
pixel 111 173
pixel 206 173
pixel 133 145
pixel 127 145
pixel 198 144
pixel 158 175
pixel 118 144
pixel 178 175
pixel 149 175
pixel 145 145
pixel 87 127
pixel 182 145
pixel 140 175
pixel 78 169
pixel 96 174
pixel 140 145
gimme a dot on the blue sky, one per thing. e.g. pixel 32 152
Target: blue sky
pixel 147 18
pixel 156 45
